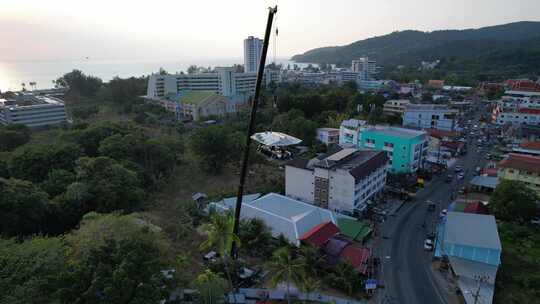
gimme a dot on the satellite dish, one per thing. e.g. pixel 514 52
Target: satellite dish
pixel 275 139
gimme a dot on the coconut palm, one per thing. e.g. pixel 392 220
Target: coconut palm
pixel 23 85
pixel 220 238
pixel 286 268
pixel 310 284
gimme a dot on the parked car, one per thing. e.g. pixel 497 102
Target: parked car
pixel 461 175
pixel 458 169
pixel 449 178
pixel 428 245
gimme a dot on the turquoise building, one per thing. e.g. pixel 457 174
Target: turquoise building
pixel 406 148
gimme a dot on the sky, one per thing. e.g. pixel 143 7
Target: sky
pixel 203 29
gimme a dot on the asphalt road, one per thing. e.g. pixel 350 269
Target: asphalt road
pixel 406 265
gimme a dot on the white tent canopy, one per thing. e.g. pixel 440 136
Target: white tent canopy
pixel 275 139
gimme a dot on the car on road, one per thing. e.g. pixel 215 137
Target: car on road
pixel 443 213
pixel 449 178
pixel 458 169
pixel 461 175
pixel 428 244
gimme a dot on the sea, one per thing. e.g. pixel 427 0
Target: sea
pixel 43 72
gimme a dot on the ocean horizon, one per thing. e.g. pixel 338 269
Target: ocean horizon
pixel 13 73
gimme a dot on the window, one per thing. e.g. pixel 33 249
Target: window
pixel 387 144
pixel 510 171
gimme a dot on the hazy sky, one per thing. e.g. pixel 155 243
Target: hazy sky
pixel 199 29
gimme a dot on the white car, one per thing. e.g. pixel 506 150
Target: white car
pixel 428 244
pixel 443 213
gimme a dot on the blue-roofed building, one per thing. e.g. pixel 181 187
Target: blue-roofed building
pixel 472 245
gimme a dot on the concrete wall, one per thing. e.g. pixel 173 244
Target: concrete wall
pixel 299 184
pixel 341 192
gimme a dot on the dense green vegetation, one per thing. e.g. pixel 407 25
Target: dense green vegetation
pixel 518 277
pixel 108 259
pixel 514 205
pixel 489 53
pixel 12 136
pixel 100 167
pixel 513 201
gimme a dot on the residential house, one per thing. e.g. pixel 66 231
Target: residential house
pixel 328 136
pixel 349 132
pixel 395 107
pixel 326 237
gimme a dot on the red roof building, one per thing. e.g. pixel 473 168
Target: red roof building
pixel 440 134
pixel 436 83
pixel 529 111
pixel 489 172
pixel 358 257
pixel 319 235
pixel 523 85
pixel 521 162
pixel 476 207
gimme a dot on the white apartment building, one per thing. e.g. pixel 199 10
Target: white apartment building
pixel 520 116
pixel 32 111
pixel 252 54
pixel 395 107
pixel 513 100
pixel 349 132
pixel 223 81
pixel 430 116
pixel 343 182
pixel 366 68
pixel 328 136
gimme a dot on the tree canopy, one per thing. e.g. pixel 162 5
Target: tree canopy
pixel 513 200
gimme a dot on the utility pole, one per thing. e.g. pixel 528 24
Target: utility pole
pixel 480 280
pixel 260 72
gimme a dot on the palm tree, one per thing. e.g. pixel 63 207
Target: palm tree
pixel 23 85
pixel 310 284
pixel 220 238
pixel 313 260
pixel 284 267
pixel 347 278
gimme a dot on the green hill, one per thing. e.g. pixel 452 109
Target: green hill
pixel 513 48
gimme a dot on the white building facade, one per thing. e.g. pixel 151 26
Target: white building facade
pixel 252 54
pixel 395 107
pixel 343 182
pixel 366 68
pixel 32 111
pixel 430 116
pixel 349 132
pixel 223 81
pixel 328 136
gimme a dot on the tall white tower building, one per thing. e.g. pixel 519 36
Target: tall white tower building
pixel 365 68
pixel 252 53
